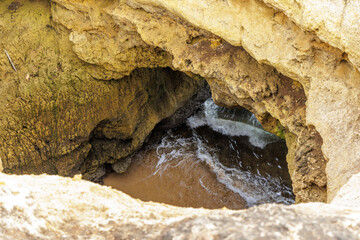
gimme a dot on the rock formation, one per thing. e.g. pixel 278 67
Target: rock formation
pixel 349 194
pixel 58 118
pixel 52 207
pixel 94 78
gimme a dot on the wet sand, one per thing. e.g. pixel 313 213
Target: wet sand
pixel 185 183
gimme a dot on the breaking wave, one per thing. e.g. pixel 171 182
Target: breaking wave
pixel 232 122
pixel 254 188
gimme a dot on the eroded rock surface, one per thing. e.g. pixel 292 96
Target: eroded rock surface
pixel 81 96
pixel 339 26
pixel 60 119
pixel 52 207
pixel 349 194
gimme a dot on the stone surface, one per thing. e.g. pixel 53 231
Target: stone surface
pixel 57 116
pixel 349 194
pixel 121 166
pixel 183 113
pixel 334 22
pixel 52 207
pixel 295 68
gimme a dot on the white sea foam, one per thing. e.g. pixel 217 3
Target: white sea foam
pixel 253 188
pixel 173 149
pixel 247 126
pixel 206 188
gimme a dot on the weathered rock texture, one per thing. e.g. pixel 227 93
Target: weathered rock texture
pixel 57 117
pixel 334 94
pixel 63 111
pixel 52 207
pixel 349 194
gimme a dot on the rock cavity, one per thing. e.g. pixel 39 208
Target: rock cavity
pixel 88 74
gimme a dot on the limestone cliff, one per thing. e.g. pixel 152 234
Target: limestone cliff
pixel 84 94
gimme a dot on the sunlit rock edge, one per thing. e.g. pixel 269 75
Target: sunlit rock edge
pixel 53 207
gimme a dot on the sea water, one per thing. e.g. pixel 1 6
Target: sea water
pixel 219 158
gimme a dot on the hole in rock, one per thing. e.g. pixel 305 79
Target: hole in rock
pixel 219 158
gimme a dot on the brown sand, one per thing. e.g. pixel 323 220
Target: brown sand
pixel 185 183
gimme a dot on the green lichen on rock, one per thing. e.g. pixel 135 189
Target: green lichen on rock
pixel 53 103
pixel 280 131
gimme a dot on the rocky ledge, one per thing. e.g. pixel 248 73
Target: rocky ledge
pixel 52 207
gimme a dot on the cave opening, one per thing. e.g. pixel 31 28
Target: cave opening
pixel 218 157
